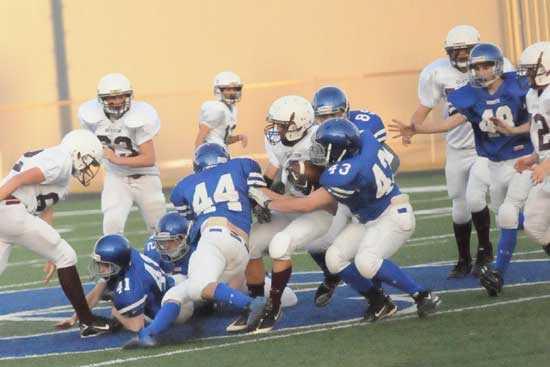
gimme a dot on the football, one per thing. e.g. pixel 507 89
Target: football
pixel 304 175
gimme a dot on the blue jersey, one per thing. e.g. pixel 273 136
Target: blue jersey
pixel 364 183
pixel 508 103
pixel 220 191
pixel 139 289
pixel 365 120
pixel 180 266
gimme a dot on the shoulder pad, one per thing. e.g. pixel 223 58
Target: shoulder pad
pixel 213 111
pixel 91 112
pixel 513 86
pixel 140 114
pixel 432 68
pixel 463 97
pixel 341 174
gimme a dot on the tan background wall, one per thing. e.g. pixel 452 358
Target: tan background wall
pixel 171 50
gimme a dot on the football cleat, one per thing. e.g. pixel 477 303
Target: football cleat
pixel 482 259
pixel 426 303
pixel 101 325
pixel 256 309
pixel 546 249
pixel 325 291
pixel 239 324
pixel 491 280
pixel 376 312
pixel 148 341
pixel 267 320
pixel 461 269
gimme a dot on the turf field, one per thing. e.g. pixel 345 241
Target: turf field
pixel 470 329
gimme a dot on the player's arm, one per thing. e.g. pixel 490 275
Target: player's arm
pixel 201 135
pixel 239 137
pixel 427 127
pixel 49 267
pixel 31 176
pixel 146 157
pixel 132 323
pixel 270 172
pixel 505 129
pixel 419 116
pixel 93 298
pixel 318 199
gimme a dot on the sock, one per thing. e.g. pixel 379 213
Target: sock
pixel 256 290
pixel 482 224
pixel 521 219
pixel 278 283
pixel 225 293
pixel 506 245
pixel 319 258
pixel 351 276
pixel 167 314
pixel 377 283
pixel 392 274
pixel 462 235
pixel 72 287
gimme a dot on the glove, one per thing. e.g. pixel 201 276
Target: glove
pixel 262 215
pixel 258 196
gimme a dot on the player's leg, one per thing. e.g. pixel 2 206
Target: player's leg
pixel 147 194
pixel 457 168
pixel 116 202
pixel 537 216
pixel 5 250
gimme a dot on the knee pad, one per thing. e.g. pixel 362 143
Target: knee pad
pixel 335 261
pixel 476 202
pixel 113 224
pixel 194 289
pixel 280 246
pixel 536 231
pixel 368 264
pixel 65 256
pixel 460 211
pixel 177 293
pixel 508 216
pixel 186 311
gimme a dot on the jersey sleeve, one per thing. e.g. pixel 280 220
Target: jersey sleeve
pixel 338 180
pixel 150 128
pixel 461 101
pixel 253 173
pixel 508 66
pixel 129 297
pixel 180 202
pixel 51 164
pixel 429 91
pixel 212 114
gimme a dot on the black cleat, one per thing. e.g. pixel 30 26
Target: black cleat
pixel 482 259
pixel 426 303
pixel 101 325
pixel 491 280
pixel 546 249
pixel 461 269
pixel 376 312
pixel 325 291
pixel 239 324
pixel 268 319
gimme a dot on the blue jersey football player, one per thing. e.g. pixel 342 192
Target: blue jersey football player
pixel 490 99
pixel 359 176
pixel 216 198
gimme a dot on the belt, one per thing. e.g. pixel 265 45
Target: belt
pixel 223 222
pixel 11 200
pixel 136 176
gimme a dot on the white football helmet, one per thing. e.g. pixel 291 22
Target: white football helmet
pixel 290 117
pixel 227 79
pixel 534 63
pixel 461 37
pixel 112 85
pixel 86 153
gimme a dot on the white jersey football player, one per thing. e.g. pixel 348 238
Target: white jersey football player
pixel 466 173
pixel 218 119
pixel 534 64
pixel 126 128
pixel 37 181
pixel 288 136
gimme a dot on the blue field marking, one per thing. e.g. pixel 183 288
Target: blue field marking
pixel 347 305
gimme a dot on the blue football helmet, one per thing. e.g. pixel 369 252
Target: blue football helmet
pixel 330 100
pixel 485 53
pixel 336 139
pixel 208 155
pixel 172 227
pixel 111 255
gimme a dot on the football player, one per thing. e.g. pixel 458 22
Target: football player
pixel 466 173
pixel 218 119
pixel 216 197
pixel 358 175
pixel 126 128
pixel 534 67
pixel 37 181
pixel 492 96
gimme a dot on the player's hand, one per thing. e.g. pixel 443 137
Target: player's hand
pixel 501 126
pixel 66 324
pixel 540 171
pixel 405 131
pixel 109 155
pixel 49 269
pixel 244 140
pixel 258 196
pixel 523 164
pixel 263 215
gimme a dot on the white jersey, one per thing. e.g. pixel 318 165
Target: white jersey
pixel 221 119
pixel 138 125
pixel 539 109
pixel 279 154
pixel 436 81
pixel 56 166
